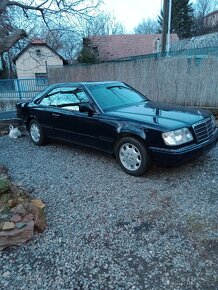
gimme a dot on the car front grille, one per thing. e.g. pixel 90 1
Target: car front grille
pixel 204 129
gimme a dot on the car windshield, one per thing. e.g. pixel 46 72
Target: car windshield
pixel 110 96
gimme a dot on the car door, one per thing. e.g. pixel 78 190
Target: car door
pixel 71 124
pixel 46 111
pixel 64 103
pixel 42 110
pixel 61 116
pixel 102 131
pixel 66 120
pixel 84 123
pixel 75 126
pixel 88 129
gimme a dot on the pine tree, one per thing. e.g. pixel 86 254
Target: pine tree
pixel 182 21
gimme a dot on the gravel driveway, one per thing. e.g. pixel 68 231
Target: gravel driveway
pixel 109 230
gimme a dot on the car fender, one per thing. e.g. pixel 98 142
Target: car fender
pixel 126 130
pixel 30 117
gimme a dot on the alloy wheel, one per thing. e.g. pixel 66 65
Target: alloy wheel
pixel 130 156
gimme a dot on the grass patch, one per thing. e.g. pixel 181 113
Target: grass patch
pixel 4 198
pixel 4 186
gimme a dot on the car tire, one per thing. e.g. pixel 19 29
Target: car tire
pixel 133 156
pixel 36 133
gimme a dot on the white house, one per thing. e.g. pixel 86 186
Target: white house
pixel 33 61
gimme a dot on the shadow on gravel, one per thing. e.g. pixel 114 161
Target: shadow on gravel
pixel 155 171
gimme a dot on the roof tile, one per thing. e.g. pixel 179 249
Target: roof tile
pixel 112 47
pixel 37 41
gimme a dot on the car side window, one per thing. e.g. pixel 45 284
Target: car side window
pixel 67 98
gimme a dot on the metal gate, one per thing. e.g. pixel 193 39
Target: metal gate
pixel 21 88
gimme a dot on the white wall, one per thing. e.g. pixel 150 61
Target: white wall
pixel 30 63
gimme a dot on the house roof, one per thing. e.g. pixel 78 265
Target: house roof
pixel 202 41
pixel 38 42
pixel 211 14
pixel 113 47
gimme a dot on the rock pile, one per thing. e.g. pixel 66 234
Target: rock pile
pixel 19 215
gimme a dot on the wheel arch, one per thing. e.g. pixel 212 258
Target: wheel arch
pixel 30 118
pixel 139 135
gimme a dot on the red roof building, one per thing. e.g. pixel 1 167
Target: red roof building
pixel 111 47
pixel 37 41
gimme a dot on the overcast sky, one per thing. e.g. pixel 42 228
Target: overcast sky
pixel 131 12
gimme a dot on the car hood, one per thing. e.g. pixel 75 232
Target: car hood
pixel 158 114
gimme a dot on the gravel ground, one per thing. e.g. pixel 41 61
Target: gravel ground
pixel 108 230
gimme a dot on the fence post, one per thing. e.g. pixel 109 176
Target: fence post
pixel 19 90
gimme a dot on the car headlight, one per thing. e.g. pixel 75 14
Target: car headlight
pixel 213 121
pixel 177 137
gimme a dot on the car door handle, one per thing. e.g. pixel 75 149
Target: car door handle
pixel 55 115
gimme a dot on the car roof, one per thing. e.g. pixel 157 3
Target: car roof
pixel 84 83
pixel 68 84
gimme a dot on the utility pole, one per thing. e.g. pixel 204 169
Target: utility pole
pixel 164 26
pixel 169 27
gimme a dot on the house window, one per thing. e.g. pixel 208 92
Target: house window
pixel 41 79
pixel 38 52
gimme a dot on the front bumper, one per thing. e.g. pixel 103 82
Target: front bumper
pixel 165 157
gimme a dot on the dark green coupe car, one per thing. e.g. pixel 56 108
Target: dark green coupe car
pixel 114 117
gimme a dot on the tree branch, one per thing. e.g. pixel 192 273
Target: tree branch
pixel 8 41
pixel 48 10
pixel 7 3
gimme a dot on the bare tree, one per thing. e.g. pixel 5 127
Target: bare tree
pixel 67 39
pixel 201 9
pixel 47 10
pixel 147 26
pixel 102 24
pixel 63 39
